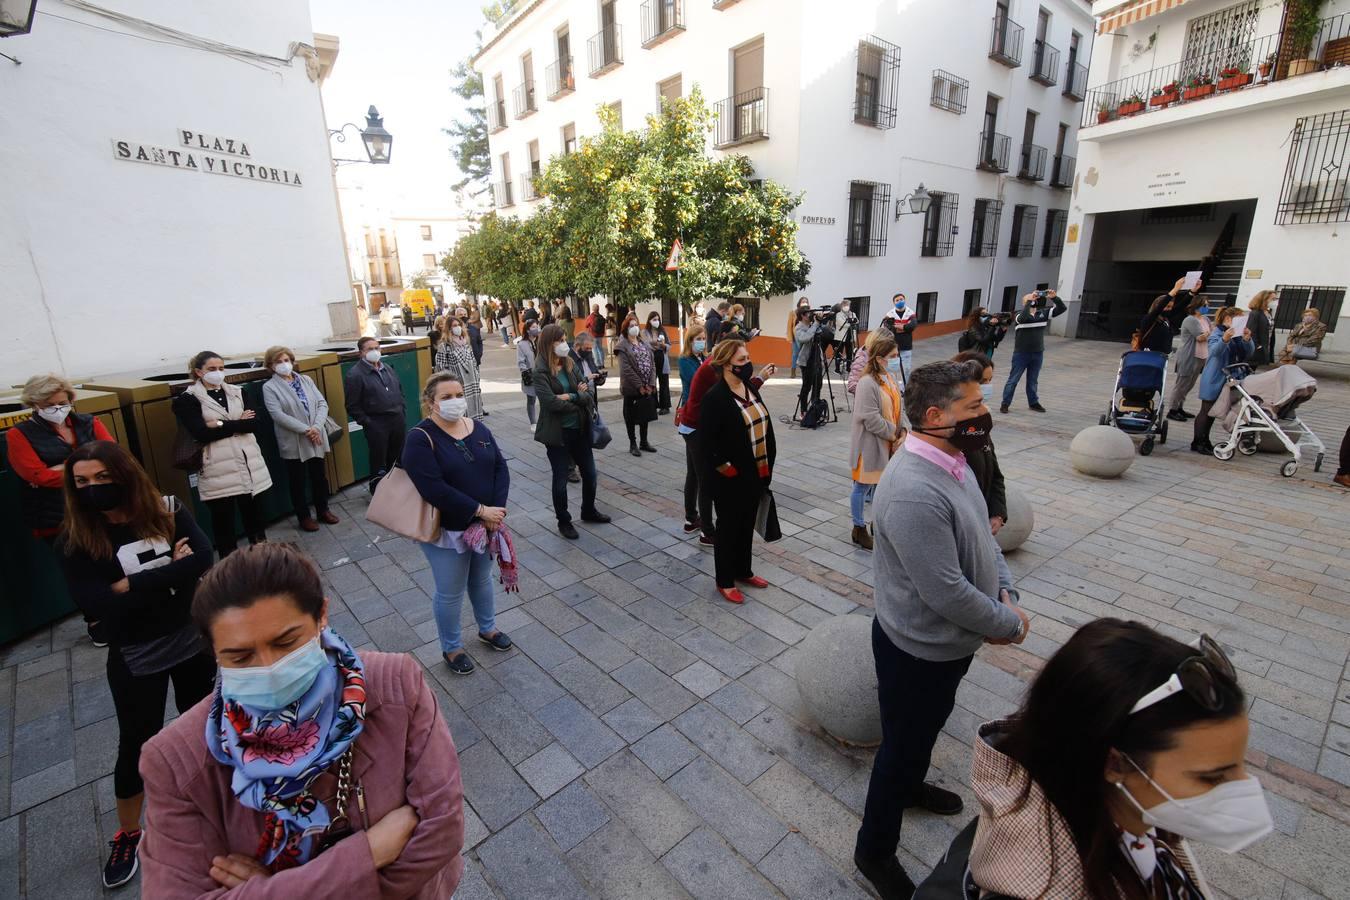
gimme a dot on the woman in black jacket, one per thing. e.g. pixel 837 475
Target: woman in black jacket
pixel 1156 329
pixel 736 455
pixel 132 560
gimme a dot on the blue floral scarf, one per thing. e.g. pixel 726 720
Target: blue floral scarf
pixel 277 754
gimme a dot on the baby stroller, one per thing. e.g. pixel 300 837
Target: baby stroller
pixel 1267 404
pixel 1136 402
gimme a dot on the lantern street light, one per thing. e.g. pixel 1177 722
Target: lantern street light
pixel 378 142
pixel 16 17
pixel 919 201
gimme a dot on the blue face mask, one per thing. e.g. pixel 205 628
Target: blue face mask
pixel 900 306
pixel 278 685
pixel 1204 310
pixel 700 345
pixel 893 365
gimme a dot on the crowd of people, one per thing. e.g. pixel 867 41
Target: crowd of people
pixel 1128 743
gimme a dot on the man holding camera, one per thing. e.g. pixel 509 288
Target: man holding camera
pixel 845 336
pixel 1029 327
pixel 811 332
pixel 902 321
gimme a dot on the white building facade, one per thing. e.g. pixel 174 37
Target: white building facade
pixel 1216 137
pixel 164 190
pixel 854 103
pixel 424 239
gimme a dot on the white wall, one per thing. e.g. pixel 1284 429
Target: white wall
pixel 445 233
pixel 110 265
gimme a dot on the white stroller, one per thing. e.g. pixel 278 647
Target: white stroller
pixel 1267 404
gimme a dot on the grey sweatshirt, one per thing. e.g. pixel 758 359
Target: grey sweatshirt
pixel 938 570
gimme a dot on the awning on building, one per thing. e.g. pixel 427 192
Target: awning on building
pixel 1129 13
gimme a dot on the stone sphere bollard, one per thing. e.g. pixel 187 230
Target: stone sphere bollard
pixel 837 679
pixel 1021 521
pixel 1101 451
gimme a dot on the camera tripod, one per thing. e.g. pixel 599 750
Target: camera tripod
pixel 817 359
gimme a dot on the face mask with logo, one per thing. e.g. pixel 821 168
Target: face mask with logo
pixel 561 349
pixel 373 357
pixel 744 372
pixel 967 435
pixel 633 331
pixel 278 685
pixel 101 497
pixel 214 378
pixel 700 345
pixel 1230 816
pixel 55 414
pixel 283 369
pixel 453 409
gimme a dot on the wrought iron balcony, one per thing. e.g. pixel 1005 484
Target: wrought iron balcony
pixel 1044 63
pixel 661 21
pixel 1061 173
pixel 496 116
pixel 1075 81
pixel 528 190
pixel 605 50
pixel 994 150
pixel 501 195
pixel 1032 166
pixel 742 118
pixel 524 99
pixel 560 77
pixel 1005 45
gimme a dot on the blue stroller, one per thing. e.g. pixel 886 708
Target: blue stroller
pixel 1137 401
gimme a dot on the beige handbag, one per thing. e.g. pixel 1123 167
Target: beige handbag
pixel 399 507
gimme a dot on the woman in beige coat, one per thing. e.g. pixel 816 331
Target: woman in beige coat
pixel 876 432
pixel 233 471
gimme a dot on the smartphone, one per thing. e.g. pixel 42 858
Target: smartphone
pixel 1192 281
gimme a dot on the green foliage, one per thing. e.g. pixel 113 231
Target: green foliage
pixel 1303 24
pixel 470 134
pixel 418 281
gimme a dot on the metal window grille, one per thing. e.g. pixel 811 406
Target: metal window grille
pixel 560 77
pixel 1045 63
pixel 1315 177
pixel 877 89
pixel 950 92
pixel 925 309
pixel 501 194
pixel 939 225
pixel 862 308
pixel 1023 242
pixel 971 301
pixel 1005 44
pixel 868 205
pixel 496 115
pixel 1220 39
pixel 994 149
pixel 1176 215
pixel 1295 298
pixel 1075 80
pixel 984 230
pixel 1032 164
pixel 605 50
pixel 742 118
pixel 524 99
pixel 1062 173
pixel 661 20
pixel 1056 221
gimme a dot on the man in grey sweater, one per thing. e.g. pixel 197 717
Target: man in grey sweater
pixel 942 589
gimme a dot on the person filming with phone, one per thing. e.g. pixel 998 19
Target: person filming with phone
pixel 1029 327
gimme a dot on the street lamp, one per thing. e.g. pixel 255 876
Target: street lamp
pixel 16 17
pixel 378 142
pixel 919 201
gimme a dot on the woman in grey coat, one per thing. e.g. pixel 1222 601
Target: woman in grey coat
pixel 1191 356
pixel 299 414
pixel 876 430
pixel 525 356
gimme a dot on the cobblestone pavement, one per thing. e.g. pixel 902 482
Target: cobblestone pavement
pixel 646 739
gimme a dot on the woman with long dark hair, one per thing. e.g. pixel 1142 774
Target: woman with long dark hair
pixel 1129 743
pixel 132 560
pixel 637 384
pixel 655 338
pixel 455 356
pixel 1155 328
pixel 526 350
pixel 566 403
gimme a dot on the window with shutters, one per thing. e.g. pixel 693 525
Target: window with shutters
pixel 925 308
pixel 971 301
pixel 939 225
pixel 669 91
pixel 1056 220
pixel 868 207
pixel 984 228
pixel 1023 241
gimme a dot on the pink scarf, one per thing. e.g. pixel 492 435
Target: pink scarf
pixel 499 544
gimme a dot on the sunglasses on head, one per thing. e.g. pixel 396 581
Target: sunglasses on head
pixel 1197 676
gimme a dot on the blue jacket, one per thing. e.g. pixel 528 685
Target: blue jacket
pixel 688 366
pixel 455 480
pixel 1221 353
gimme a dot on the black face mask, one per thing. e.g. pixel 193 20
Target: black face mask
pixel 968 435
pixel 743 372
pixel 101 497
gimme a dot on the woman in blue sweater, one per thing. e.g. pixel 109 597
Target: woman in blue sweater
pixel 457 467
pixel 697 501
pixel 1226 348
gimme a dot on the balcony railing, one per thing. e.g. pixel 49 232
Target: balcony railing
pixel 1032 164
pixel 524 99
pixel 496 116
pixel 1061 173
pixel 1005 44
pixel 1075 81
pixel 1044 63
pixel 742 118
pixel 560 77
pixel 661 21
pixel 605 50
pixel 528 190
pixel 1274 57
pixel 994 150
pixel 501 195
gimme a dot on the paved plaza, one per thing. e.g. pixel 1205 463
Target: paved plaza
pixel 645 739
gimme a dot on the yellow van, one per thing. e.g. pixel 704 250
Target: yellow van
pixel 422 304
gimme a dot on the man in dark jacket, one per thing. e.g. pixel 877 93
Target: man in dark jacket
pixel 712 323
pixel 1029 327
pixel 375 402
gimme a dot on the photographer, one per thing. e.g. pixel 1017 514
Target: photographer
pixel 845 335
pixel 901 321
pixel 811 334
pixel 984 332
pixel 1029 327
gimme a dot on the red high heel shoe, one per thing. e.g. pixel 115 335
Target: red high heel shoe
pixel 754 581
pixel 731 595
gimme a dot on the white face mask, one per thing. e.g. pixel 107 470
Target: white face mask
pixel 215 379
pixel 372 356
pixel 457 331
pixel 55 414
pixel 987 392
pixel 561 349
pixel 656 323
pixel 633 331
pixel 453 409
pixel 283 369
pixel 1231 816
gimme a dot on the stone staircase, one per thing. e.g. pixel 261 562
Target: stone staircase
pixel 1227 277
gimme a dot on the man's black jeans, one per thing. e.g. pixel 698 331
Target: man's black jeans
pixel 916 698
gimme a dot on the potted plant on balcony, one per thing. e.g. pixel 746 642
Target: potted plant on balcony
pixel 1131 105
pixel 1166 95
pixel 1266 66
pixel 1303 24
pixel 1198 86
pixel 1103 112
pixel 1233 77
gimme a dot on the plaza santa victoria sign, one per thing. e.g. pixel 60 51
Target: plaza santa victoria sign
pixel 206 153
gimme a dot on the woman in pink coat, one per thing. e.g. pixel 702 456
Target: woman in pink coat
pixel 311 770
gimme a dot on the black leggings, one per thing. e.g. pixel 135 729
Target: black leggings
pixel 222 521
pixel 139 701
pixel 297 472
pixel 697 500
pixel 1203 422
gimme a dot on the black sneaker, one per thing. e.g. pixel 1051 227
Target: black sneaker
pixel 939 801
pixel 646 448
pixel 1003 408
pixel 596 517
pixel 886 875
pixel 93 639
pixel 568 530
pixel 1176 415
pixel 1036 407
pixel 498 641
pixel 460 665
pixel 122 861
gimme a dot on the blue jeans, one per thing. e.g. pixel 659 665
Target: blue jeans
pixel 861 494
pixel 905 357
pixel 599 353
pixel 796 348
pixel 1030 363
pixel 455 574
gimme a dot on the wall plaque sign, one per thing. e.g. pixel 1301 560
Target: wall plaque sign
pixel 208 153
